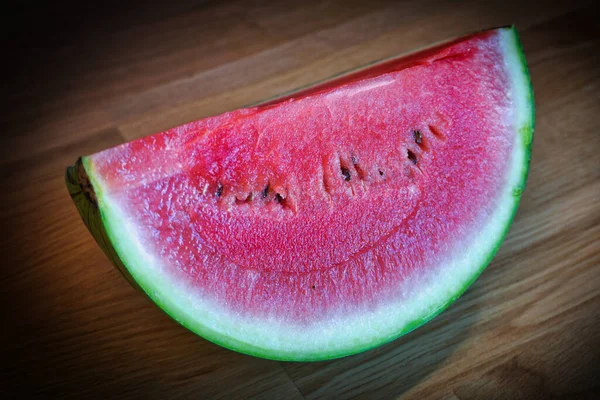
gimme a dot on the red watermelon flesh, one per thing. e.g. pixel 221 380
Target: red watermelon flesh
pixel 334 219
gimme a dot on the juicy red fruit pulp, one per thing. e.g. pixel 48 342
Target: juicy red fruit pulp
pixel 331 201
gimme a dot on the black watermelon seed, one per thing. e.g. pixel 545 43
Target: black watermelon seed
pixel 346 173
pixel 418 137
pixel 412 157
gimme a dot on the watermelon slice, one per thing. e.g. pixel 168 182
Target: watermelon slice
pixel 329 221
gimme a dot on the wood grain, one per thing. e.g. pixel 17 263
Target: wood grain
pixel 73 328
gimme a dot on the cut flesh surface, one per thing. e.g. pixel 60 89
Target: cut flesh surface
pixel 332 220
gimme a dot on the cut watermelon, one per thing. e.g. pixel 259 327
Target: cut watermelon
pixel 329 221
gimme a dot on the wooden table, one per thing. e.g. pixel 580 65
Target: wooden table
pixel 73 327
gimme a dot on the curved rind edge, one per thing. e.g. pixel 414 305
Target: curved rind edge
pixel 90 214
pixel 105 228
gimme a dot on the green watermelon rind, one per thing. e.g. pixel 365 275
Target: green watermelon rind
pixel 107 226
